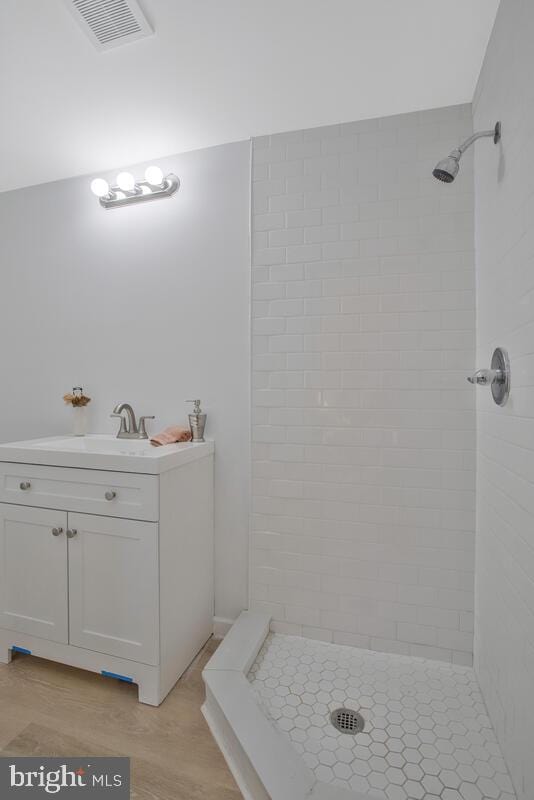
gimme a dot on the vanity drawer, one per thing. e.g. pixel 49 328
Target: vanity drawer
pixel 129 495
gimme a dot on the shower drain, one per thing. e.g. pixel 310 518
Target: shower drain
pixel 347 721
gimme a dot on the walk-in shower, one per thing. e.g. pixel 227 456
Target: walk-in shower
pixel 313 720
pixel 446 170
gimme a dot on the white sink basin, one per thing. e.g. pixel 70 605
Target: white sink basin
pixel 96 443
pixel 103 451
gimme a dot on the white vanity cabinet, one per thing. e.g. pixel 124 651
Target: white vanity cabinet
pixel 107 570
pixel 110 609
pixel 33 572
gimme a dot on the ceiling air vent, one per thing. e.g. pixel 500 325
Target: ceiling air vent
pixel 110 23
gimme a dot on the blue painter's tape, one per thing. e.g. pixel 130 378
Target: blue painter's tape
pixel 124 678
pixel 16 649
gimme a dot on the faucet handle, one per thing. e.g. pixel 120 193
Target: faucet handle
pixel 482 377
pixel 497 377
pixel 142 429
pixel 122 428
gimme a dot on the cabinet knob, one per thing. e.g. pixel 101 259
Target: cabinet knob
pixel 110 495
pixel 24 485
pixel 57 531
pixel 71 533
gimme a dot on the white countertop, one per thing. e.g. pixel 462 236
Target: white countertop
pixel 102 451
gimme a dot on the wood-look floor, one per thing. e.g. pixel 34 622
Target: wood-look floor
pixel 55 710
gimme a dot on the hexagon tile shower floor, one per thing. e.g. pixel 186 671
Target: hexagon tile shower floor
pixel 427 735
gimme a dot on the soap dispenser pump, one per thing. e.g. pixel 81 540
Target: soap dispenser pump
pixel 197 422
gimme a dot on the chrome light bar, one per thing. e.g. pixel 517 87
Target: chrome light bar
pixel 127 190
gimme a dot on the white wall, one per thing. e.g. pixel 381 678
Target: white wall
pixel 363 423
pixel 220 71
pixel 148 304
pixel 504 188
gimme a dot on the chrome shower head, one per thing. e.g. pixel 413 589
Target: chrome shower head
pixel 447 169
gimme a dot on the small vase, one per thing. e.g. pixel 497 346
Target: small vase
pixel 79 420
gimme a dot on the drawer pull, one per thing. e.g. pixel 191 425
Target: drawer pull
pixel 57 531
pixel 25 485
pixel 71 533
pixel 110 495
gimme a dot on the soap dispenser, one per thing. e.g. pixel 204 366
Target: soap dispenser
pixel 197 422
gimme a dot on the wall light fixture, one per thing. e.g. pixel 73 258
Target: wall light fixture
pixel 127 190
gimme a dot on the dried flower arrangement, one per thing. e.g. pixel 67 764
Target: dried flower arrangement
pixel 77 398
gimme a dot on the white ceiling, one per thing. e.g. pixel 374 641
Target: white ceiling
pixel 218 71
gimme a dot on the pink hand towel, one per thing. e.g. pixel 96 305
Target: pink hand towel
pixel 170 436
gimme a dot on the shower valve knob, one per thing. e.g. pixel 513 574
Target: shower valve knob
pixel 497 377
pixel 483 377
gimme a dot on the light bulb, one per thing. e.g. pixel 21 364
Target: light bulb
pixel 154 176
pixel 125 181
pixel 100 187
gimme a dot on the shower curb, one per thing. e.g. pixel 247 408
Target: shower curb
pixel 260 758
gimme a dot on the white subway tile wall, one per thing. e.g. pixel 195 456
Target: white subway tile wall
pixel 504 641
pixel 363 423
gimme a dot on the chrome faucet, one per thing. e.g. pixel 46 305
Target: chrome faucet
pixel 129 429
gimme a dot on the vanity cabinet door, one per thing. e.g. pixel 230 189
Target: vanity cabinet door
pixel 33 572
pixel 113 586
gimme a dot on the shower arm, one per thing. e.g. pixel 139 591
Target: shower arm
pixel 495 133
